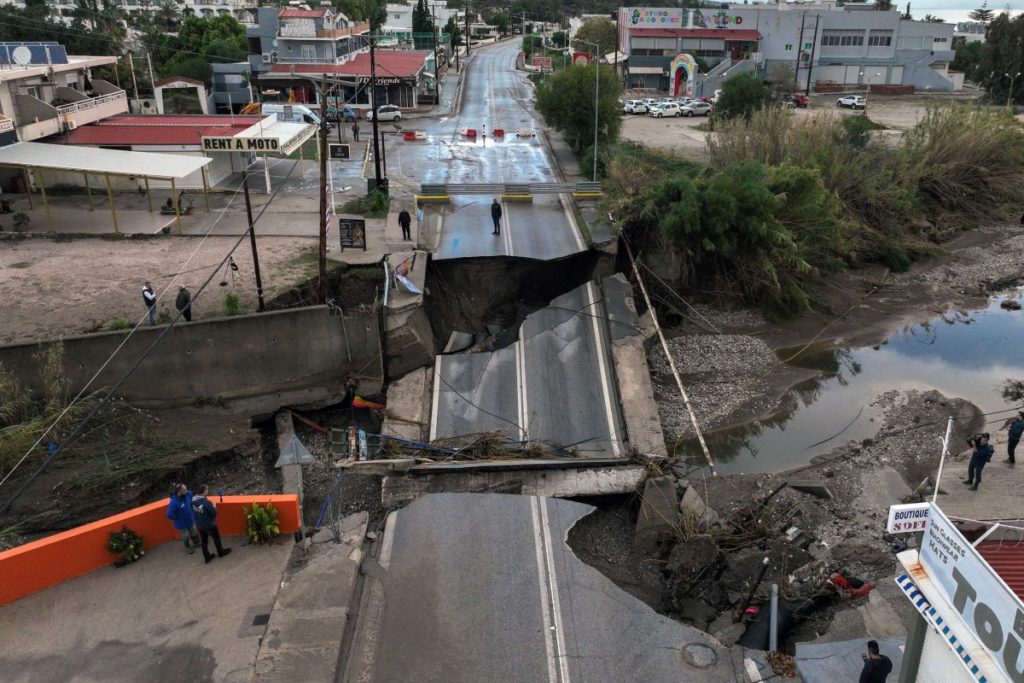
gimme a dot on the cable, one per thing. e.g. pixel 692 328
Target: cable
pixel 678 296
pixel 106 399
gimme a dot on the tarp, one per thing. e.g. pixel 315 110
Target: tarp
pixel 841 661
pixel 100 161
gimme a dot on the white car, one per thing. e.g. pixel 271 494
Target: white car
pixel 667 109
pixel 667 100
pixel 634 107
pixel 851 101
pixel 697 109
pixel 387 112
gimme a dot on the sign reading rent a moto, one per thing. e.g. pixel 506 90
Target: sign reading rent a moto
pixel 994 614
pixel 230 144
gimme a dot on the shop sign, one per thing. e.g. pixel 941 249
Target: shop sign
pixel 582 58
pixel 907 518
pixel 232 144
pixel 542 62
pixel 353 233
pixel 387 80
pixel 654 17
pixel 992 612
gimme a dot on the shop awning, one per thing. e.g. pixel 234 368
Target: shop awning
pixel 646 70
pixel 101 161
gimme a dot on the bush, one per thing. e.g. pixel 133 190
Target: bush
pixel 565 98
pixel 21 221
pixel 119 324
pixel 857 130
pixel 261 523
pixel 741 95
pixel 374 205
pixel 127 545
pixel 232 305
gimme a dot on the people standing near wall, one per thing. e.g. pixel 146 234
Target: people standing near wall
pixel 355 130
pixel 179 511
pixel 184 303
pixel 149 299
pixel 206 521
pixel 405 220
pixel 1016 429
pixel 979 458
pixel 496 216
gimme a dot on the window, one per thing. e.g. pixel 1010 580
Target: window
pixel 880 39
pixel 788 47
pixel 308 53
pixel 842 39
pixel 940 40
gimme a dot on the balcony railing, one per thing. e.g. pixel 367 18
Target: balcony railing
pixel 91 103
pixel 353 30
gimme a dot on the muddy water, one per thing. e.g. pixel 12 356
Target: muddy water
pixel 962 355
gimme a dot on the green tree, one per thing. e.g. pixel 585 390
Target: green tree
pixel 452 29
pixel 559 38
pixel 742 95
pixel 982 14
pixel 600 31
pixel 422 22
pixel 532 44
pixel 566 101
pixel 1002 57
pixel 189 66
pixel 883 5
pixel 353 9
pixel 933 19
pixel 500 21
pixel 968 58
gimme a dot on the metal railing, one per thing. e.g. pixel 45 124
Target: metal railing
pixel 91 103
pixel 495 189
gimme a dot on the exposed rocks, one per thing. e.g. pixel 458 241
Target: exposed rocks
pixel 658 519
pixel 696 512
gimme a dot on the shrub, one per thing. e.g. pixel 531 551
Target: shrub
pixel 21 221
pixel 119 324
pixel 374 205
pixel 127 545
pixel 261 523
pixel 741 95
pixel 857 130
pixel 232 304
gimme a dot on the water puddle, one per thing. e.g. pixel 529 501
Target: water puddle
pixel 967 356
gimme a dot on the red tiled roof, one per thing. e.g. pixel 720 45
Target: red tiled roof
pixel 744 34
pixel 404 64
pixel 158 130
pixel 301 13
pixel 1007 559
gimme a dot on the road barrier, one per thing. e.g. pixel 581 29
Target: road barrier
pixel 586 188
pixel 411 135
pixel 36 566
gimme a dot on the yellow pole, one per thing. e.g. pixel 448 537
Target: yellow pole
pixel 42 190
pixel 206 190
pixel 28 188
pixel 110 198
pixel 88 192
pixel 177 208
pixel 149 197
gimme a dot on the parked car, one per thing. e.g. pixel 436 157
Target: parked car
pixel 649 101
pixel 635 107
pixel 801 101
pixel 667 109
pixel 851 101
pixel 291 113
pixel 387 112
pixel 667 100
pixel 346 114
pixel 697 109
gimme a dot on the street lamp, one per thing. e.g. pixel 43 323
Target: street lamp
pixel 865 113
pixel 1009 95
pixel 597 87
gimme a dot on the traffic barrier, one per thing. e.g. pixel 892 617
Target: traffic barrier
pixel 517 197
pixel 411 135
pixel 432 198
pixel 499 132
pixel 525 133
pixel 36 566
pixel 469 132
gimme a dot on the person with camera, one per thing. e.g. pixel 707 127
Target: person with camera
pixel 1016 429
pixel 979 458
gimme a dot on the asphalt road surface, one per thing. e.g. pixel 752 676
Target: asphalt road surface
pixel 553 385
pixel 495 95
pixel 482 587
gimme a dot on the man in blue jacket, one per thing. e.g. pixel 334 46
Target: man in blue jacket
pixel 180 512
pixel 206 520
pixel 981 455
pixel 1016 430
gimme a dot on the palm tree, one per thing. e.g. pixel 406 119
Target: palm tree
pixel 168 15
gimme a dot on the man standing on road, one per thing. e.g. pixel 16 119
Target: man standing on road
pixel 1016 430
pixel 355 130
pixel 876 666
pixel 981 455
pixel 206 521
pixel 496 216
pixel 184 303
pixel 405 220
pixel 149 298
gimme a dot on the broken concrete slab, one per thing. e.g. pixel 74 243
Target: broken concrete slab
pixel 658 519
pixel 689 558
pixel 554 483
pixel 408 412
pixel 304 634
pixel 841 661
pixel 410 340
pixel 815 487
pixel 880 619
pixel 377 467
pixel 399 297
pixel 693 507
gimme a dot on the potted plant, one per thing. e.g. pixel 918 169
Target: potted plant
pixel 261 523
pixel 127 545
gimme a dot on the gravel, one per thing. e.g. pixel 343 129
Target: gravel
pixel 981 269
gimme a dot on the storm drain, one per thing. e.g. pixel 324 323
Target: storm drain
pixel 255 621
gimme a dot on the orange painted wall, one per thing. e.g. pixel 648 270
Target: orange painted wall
pixel 38 565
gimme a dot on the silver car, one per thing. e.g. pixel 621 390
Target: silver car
pixel 697 109
pixel 387 112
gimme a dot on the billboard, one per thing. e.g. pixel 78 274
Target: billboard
pixel 654 17
pixel 582 58
pixel 541 62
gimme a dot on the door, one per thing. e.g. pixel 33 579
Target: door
pixel 735 51
pixel 939 664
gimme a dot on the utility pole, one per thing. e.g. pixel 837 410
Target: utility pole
pixel 324 217
pixel 433 45
pixel 799 51
pixel 152 81
pixel 252 242
pixel 814 46
pixel 467 30
pixel 373 108
pixel 135 85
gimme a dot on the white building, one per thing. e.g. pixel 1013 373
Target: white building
pixel 399 17
pixel 242 10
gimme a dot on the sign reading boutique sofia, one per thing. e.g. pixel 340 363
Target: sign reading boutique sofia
pixel 994 614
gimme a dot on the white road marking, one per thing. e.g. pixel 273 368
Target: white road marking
pixel 521 385
pixel 506 218
pixel 556 603
pixel 436 398
pixel 384 559
pixel 545 607
pixel 603 370
pixel 572 223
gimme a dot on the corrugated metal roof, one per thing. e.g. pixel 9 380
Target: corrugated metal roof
pixel 403 64
pixel 293 13
pixel 93 160
pixel 730 34
pixel 158 130
pixel 1007 559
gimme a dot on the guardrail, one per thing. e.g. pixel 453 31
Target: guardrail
pixel 496 189
pixel 90 103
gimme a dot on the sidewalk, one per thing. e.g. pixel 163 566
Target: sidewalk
pixel 1002 486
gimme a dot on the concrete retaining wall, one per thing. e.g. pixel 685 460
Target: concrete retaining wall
pixel 252 363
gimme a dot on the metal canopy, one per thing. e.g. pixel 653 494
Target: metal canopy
pixel 101 161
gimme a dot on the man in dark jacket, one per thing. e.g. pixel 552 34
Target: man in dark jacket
pixel 149 299
pixel 405 220
pixel 206 520
pixel 184 303
pixel 1016 430
pixel 496 216
pixel 981 455
pixel 876 666
pixel 180 512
